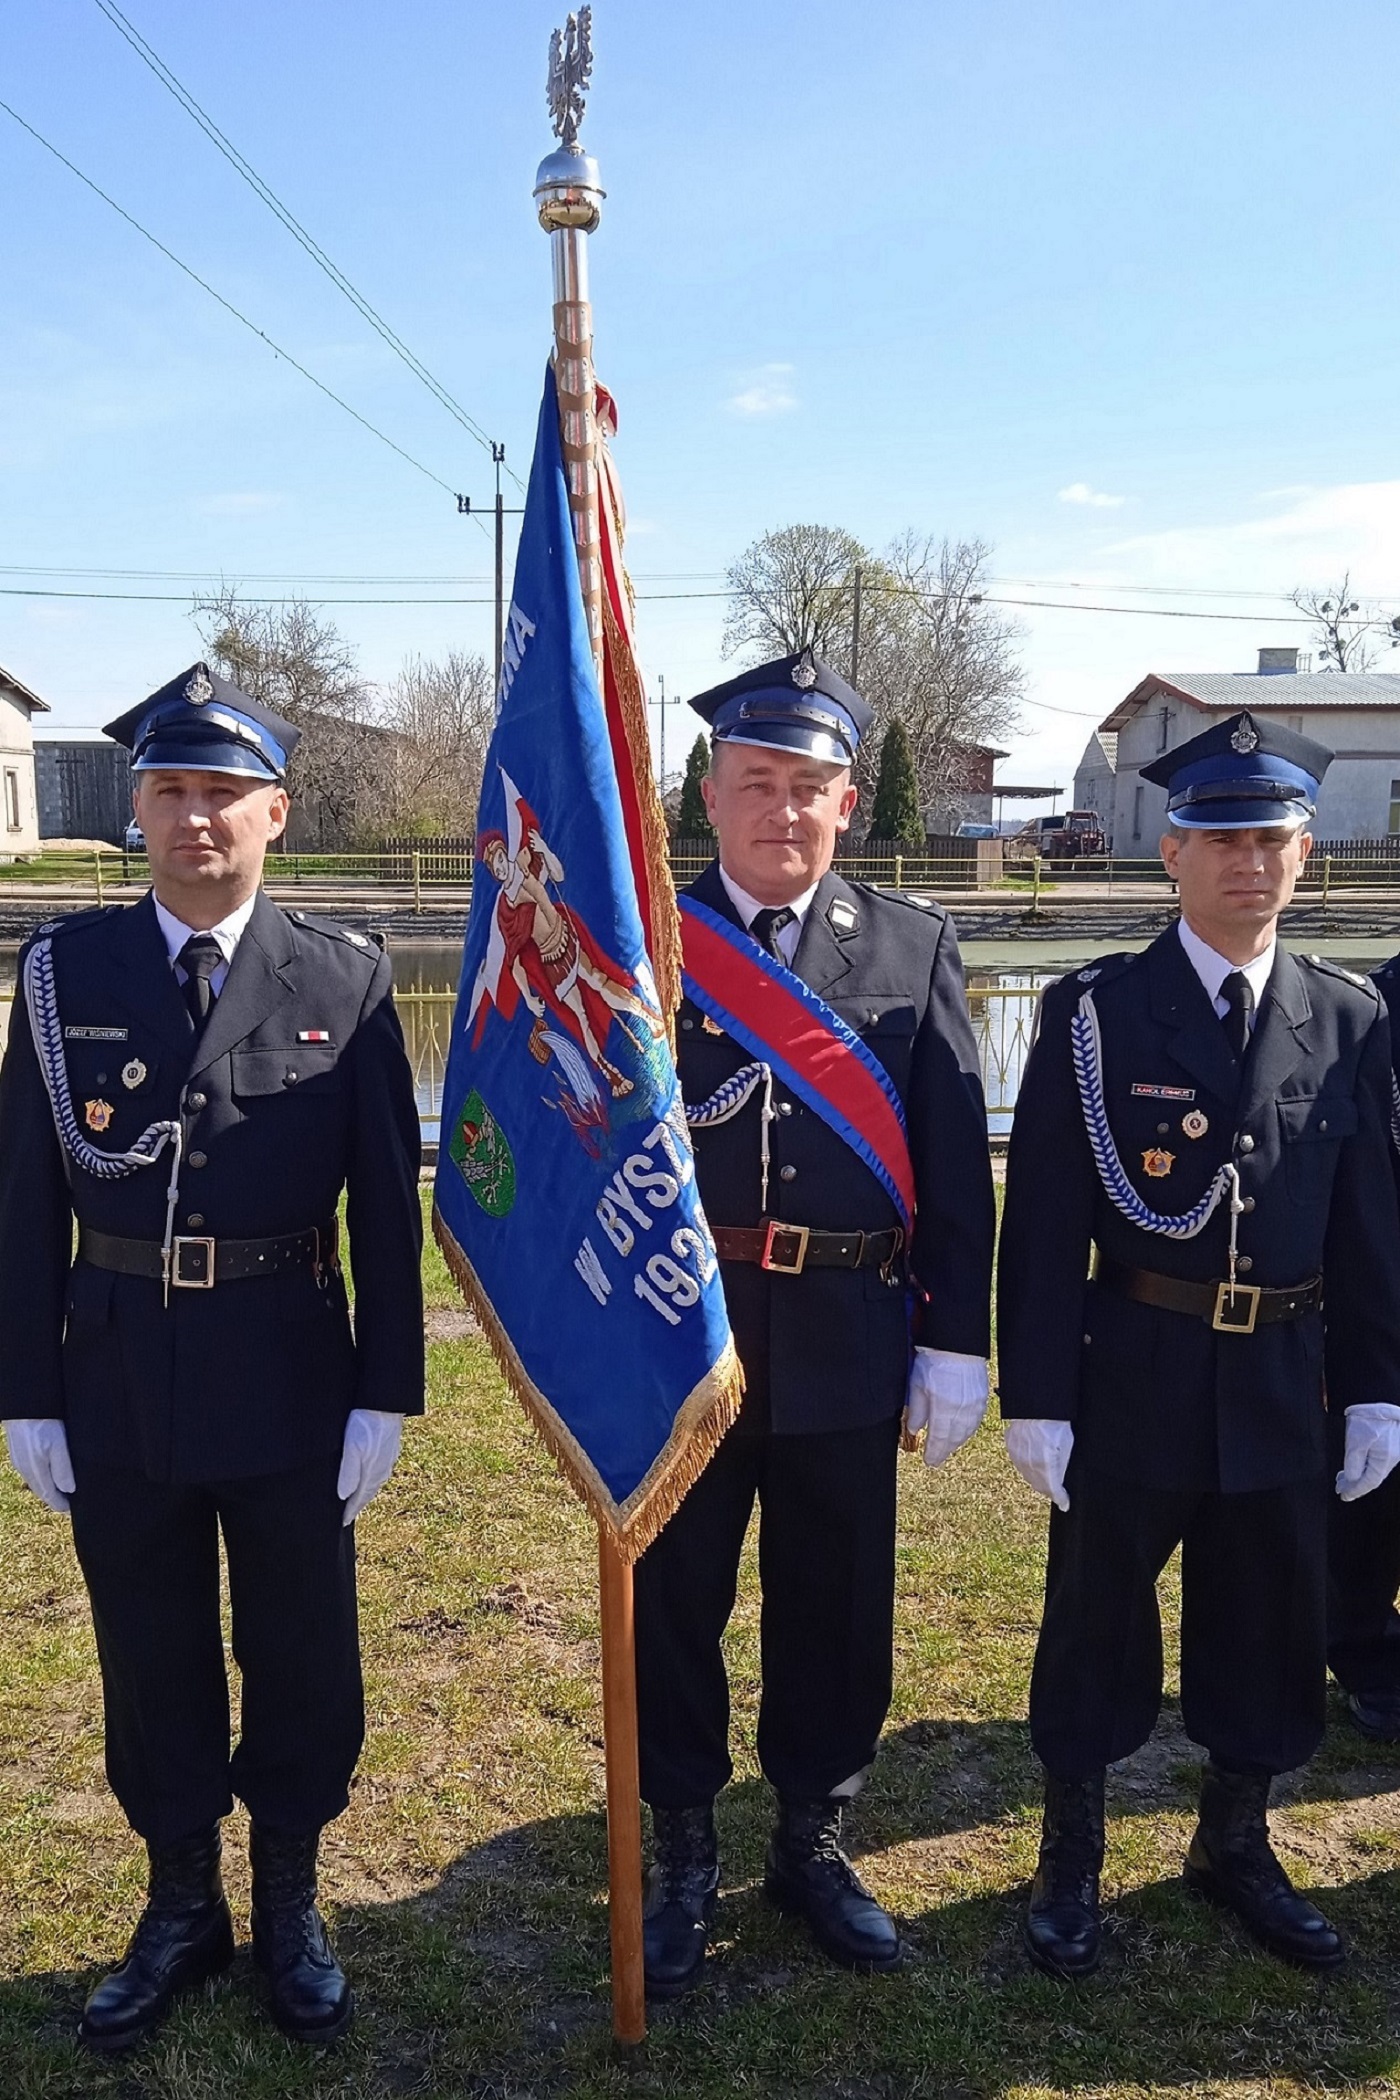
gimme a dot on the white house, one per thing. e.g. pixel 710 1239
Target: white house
pixel 1355 714
pixel 19 810
pixel 1095 777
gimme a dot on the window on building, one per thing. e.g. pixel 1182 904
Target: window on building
pixel 1165 729
pixel 11 799
pixel 1137 813
pixel 1395 806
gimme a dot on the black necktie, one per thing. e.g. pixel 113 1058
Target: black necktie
pixel 199 959
pixel 767 924
pixel 1238 995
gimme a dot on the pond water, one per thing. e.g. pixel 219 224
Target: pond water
pixel 1003 978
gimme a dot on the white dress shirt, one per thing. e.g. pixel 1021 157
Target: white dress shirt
pixel 1213 969
pixel 227 933
pixel 749 908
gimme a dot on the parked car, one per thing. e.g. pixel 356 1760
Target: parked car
pixel 134 840
pixel 977 831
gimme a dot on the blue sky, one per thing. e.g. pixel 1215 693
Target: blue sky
pixel 1112 287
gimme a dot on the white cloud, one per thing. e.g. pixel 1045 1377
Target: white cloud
pixel 768 392
pixel 239 503
pixel 1080 492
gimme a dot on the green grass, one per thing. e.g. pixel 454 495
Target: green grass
pixel 466 1884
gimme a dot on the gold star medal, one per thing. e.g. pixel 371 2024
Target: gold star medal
pixel 1157 1164
pixel 98 1115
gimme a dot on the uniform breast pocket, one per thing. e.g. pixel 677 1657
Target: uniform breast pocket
pixel 1311 1128
pixel 886 1024
pixel 300 1071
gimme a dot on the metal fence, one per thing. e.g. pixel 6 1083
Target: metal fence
pixel 1002 1017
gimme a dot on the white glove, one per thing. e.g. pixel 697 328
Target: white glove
pixel 1372 1448
pixel 1040 1453
pixel 947 1397
pixel 39 1454
pixel 371 1446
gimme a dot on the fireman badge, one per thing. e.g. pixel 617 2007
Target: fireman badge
pixel 1157 1164
pixel 1195 1125
pixel 98 1115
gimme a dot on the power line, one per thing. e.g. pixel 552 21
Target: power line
pixel 228 306
pixel 282 212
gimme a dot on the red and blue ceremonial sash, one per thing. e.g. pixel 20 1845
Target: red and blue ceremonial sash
pixel 768 1009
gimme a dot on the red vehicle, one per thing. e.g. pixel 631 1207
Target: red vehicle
pixel 1076 834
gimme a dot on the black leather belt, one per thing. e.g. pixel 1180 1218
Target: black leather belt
pixel 198 1264
pixel 786 1250
pixel 1250 1305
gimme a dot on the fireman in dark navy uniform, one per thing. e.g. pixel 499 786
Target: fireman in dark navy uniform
pixel 1363 1625
pixel 822 1322
pixel 1212 1119
pixel 197 1079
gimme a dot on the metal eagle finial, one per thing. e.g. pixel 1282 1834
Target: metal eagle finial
pixel 570 67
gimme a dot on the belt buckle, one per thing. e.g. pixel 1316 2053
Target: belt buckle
pixel 1225 1296
pixel 772 1260
pixel 178 1278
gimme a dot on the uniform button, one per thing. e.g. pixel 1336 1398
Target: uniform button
pixel 289 1079
pixel 788 1174
pixel 195 1220
pixel 1248 1203
pixel 102 1079
pixel 1164 1130
pixel 1246 1143
pixel 196 1102
pixel 199 1159
pixel 687 1024
pixel 1322 1126
pixel 784 1108
pixel 1244 1264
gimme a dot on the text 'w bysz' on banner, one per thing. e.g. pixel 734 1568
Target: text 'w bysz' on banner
pixel 566 1201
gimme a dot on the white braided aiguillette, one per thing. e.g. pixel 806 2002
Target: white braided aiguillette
pixel 1088 1072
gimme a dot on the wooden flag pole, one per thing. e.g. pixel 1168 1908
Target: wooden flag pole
pixel 568 199
pixel 624 1793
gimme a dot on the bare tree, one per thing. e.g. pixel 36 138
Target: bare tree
pixel 1344 626
pixel 299 664
pixel 947 666
pixel 794 589
pixel 931 651
pixel 441 716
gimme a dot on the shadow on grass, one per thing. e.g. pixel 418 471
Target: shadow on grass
pixel 493 1981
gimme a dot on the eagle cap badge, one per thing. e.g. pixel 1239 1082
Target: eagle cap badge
pixel 804 673
pixel 1245 738
pixel 199 687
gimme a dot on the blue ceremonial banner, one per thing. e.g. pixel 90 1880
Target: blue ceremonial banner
pixel 566 1200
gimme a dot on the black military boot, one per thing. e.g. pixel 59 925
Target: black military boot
pixel 1063 1935
pixel 810 1877
pixel 681 1886
pixel 1376 1714
pixel 1231 1862
pixel 184 1936
pixel 308 1995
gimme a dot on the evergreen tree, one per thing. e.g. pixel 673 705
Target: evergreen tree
pixel 896 819
pixel 691 820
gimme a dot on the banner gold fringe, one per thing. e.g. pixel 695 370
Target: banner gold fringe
pixel 695 1434
pixel 664 931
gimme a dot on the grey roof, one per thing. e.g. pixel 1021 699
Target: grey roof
pixel 23 694
pixel 1293 689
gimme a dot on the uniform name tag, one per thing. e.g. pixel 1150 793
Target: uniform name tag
pixel 1165 1093
pixel 96 1035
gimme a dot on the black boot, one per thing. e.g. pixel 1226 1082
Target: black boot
pixel 1063 1935
pixel 810 1877
pixel 308 1995
pixel 1376 1714
pixel 681 1887
pixel 184 1936
pixel 1232 1863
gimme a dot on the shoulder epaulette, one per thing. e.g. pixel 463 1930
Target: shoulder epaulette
pixel 333 931
pixel 71 922
pixel 1074 983
pixel 1332 969
pixel 912 898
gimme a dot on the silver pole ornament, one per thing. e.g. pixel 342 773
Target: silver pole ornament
pixel 568 199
